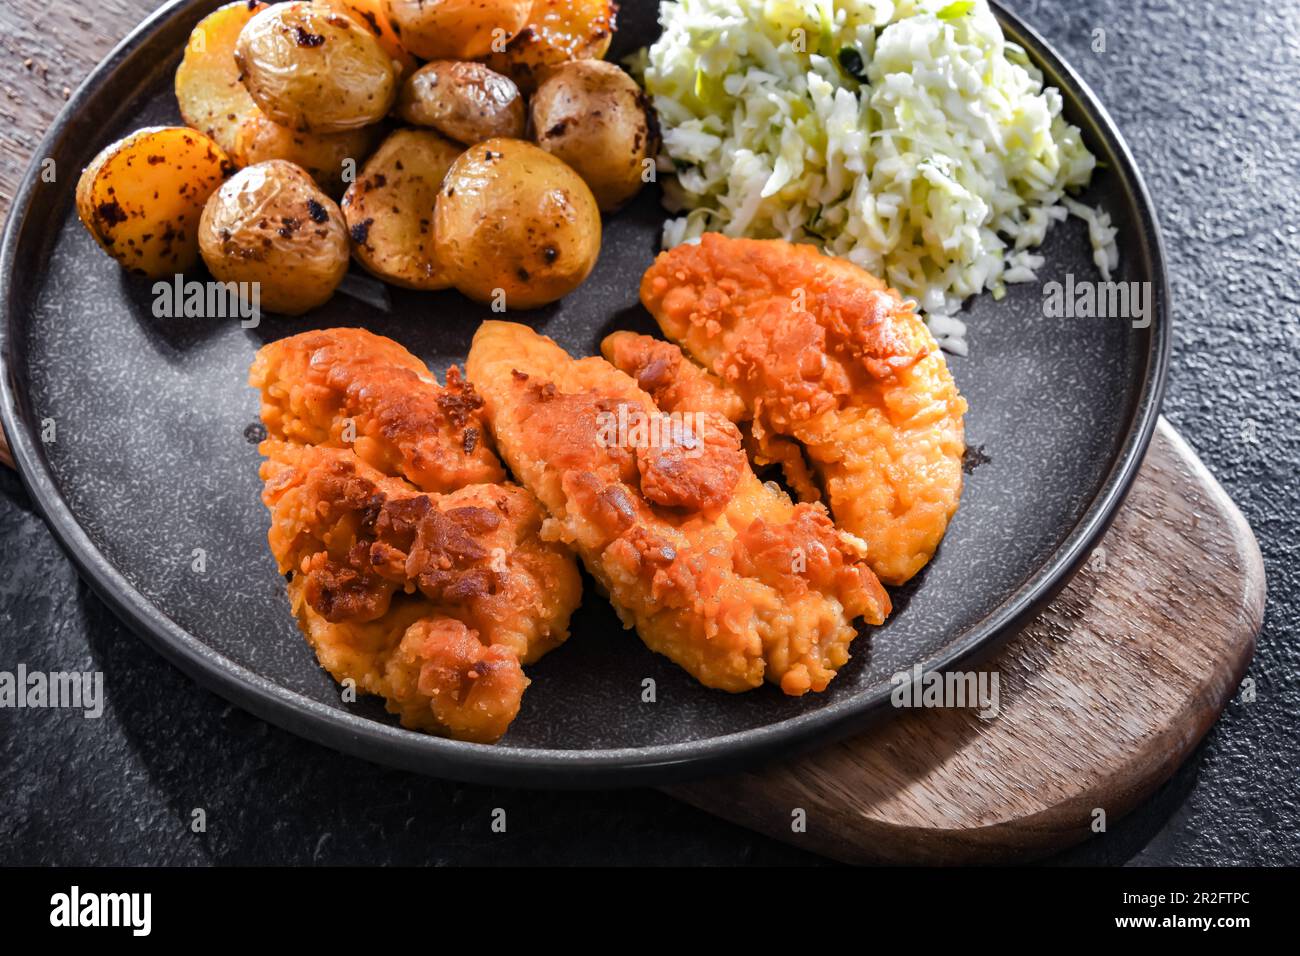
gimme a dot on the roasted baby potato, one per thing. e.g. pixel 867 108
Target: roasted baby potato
pixel 323 155
pixel 372 15
pixel 312 69
pixel 389 209
pixel 457 29
pixel 557 31
pixel 463 100
pixel 271 224
pixel 141 197
pixel 211 97
pixel 513 220
pixel 593 116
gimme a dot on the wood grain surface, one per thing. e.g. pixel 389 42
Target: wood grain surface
pixel 1101 698
pixel 47 47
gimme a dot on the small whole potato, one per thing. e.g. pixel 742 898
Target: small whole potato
pixel 457 29
pixel 593 116
pixel 389 209
pixel 463 100
pixel 271 224
pixel 209 92
pixel 513 220
pixel 313 69
pixel 557 31
pixel 322 155
pixel 142 197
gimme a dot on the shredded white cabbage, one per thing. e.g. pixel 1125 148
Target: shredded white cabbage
pixel 909 137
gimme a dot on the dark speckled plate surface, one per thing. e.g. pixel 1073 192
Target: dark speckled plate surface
pixel 154 458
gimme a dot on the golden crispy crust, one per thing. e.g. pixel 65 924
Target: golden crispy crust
pixel 351 388
pixel 358 537
pixel 433 672
pixel 674 382
pixel 677 384
pixel 695 468
pixel 432 599
pixel 824 353
pixel 724 575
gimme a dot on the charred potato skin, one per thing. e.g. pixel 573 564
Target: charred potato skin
pixel 457 29
pixel 209 92
pixel 142 197
pixel 557 31
pixel 390 209
pixel 511 218
pixel 316 70
pixel 322 155
pixel 596 118
pixel 271 224
pixel 463 100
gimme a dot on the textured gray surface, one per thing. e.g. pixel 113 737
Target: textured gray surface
pixel 1205 100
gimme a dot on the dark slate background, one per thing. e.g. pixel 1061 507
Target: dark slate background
pixel 1206 94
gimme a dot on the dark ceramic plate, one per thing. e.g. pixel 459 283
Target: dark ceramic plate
pixel 154 457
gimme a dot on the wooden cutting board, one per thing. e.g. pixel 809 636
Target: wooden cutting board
pixel 1101 698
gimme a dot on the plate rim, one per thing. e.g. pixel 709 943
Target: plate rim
pixel 548 767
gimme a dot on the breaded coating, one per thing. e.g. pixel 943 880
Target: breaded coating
pixel 677 384
pixel 717 571
pixel 433 598
pixel 352 388
pixel 824 354
pixel 433 672
pixel 674 382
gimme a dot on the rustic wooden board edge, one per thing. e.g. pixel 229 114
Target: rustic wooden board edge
pixel 764 800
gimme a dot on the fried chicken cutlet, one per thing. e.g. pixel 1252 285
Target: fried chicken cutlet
pixel 724 575
pixel 678 385
pixel 414 569
pixel 351 388
pixel 832 366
